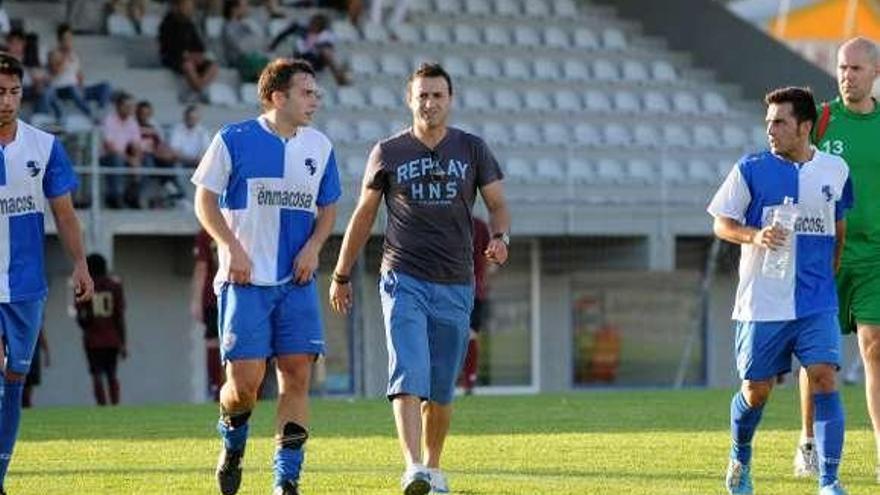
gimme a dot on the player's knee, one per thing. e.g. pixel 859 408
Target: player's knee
pixel 823 379
pixel 756 393
pixel 293 436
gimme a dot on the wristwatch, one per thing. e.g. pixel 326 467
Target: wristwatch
pixel 503 237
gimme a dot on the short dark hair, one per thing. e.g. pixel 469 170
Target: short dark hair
pixel 228 7
pixel 16 33
pixel 803 105
pixel 97 265
pixel 143 104
pixel 429 69
pixel 10 66
pixel 192 107
pixel 120 97
pixel 278 74
pixel 62 29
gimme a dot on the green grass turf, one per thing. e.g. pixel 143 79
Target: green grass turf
pixel 600 442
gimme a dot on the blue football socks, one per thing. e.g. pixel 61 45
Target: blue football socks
pixel 829 430
pixel 9 420
pixel 743 423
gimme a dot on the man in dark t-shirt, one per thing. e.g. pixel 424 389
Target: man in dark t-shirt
pixel 181 48
pixel 429 176
pixel 103 323
pixel 203 306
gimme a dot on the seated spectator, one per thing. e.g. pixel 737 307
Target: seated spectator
pixel 315 43
pixel 181 49
pixel 121 148
pixel 190 139
pixel 35 83
pixel 243 47
pixel 68 80
pixel 158 154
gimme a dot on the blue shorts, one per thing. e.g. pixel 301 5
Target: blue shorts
pixel 764 348
pixel 426 331
pixel 20 324
pixel 258 322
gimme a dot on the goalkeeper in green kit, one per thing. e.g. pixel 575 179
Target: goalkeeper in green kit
pixel 849 126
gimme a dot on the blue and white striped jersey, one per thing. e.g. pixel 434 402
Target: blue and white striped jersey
pixel 33 168
pixel 269 191
pixel 822 193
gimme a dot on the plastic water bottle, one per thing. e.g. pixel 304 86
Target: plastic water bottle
pixel 777 261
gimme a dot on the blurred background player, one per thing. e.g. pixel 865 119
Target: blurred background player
pixel 203 307
pixel 103 323
pixel 480 312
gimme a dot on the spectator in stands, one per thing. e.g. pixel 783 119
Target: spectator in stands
pixel 68 81
pixel 203 307
pixel 315 43
pixel 157 153
pixel 35 83
pixel 190 139
pixel 182 50
pixel 103 323
pixel 353 8
pixel 244 48
pixel 122 148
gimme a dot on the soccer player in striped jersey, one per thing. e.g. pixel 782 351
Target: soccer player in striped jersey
pixel 266 192
pixel 35 172
pixel 796 314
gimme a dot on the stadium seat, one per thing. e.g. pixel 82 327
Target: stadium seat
pixel 42 120
pixel 517 170
pixel 672 172
pixel 420 6
pixel 510 8
pixel 516 68
pixel 641 171
pixel 477 7
pixel 556 37
pixel 437 33
pixel 507 99
pixel 213 26
pixel 626 102
pixel 596 101
pixel 496 133
pixel 759 137
pixel 734 136
pixel 339 131
pixel 538 101
pixel 375 32
pixel 685 102
pixel 449 7
pixel 662 70
pixel 615 134
pixel 714 103
pixel 587 135
pixel 550 170
pixel 526 36
pixel 585 38
pixel 575 70
pixel 247 93
pixel 655 102
pixel 344 31
pixel 526 133
pixel 580 171
pixel 610 171
pixel 566 100
pixel 613 39
pixel 120 25
pixel 556 134
pixel 352 97
pixel 150 25
pixel 724 166
pixel 535 8
pixel 675 135
pixel 646 135
pixel 457 66
pixel 546 69
pixel 222 94
pixel 370 130
pixel 486 67
pixel 467 34
pixel 75 123
pixel 565 8
pixel 476 99
pixel 634 71
pixel 705 137
pixel 394 65
pixel 382 97
pixel 363 63
pixel 701 172
pixel 407 33
pixel 355 166
pixel 496 34
pixel 605 70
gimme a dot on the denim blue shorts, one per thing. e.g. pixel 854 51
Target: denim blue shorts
pixel 20 324
pixel 262 321
pixel 764 348
pixel 426 329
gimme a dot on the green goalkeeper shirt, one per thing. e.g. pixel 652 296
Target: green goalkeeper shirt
pixel 856 138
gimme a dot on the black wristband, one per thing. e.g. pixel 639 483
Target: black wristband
pixel 340 279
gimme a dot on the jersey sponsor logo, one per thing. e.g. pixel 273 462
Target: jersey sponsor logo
pixel 310 166
pixel 33 169
pixel 16 205
pixel 810 225
pixel 442 184
pixel 283 198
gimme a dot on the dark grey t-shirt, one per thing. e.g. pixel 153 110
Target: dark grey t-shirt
pixel 429 195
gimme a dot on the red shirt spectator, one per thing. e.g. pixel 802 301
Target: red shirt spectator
pixel 481 242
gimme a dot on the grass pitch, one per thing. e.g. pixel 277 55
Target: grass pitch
pixel 603 442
